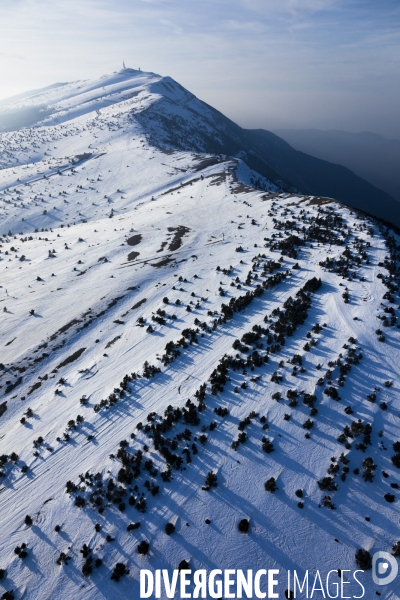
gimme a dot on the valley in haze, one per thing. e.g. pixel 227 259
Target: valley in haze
pixel 369 155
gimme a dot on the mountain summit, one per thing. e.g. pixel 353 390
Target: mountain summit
pixel 173 118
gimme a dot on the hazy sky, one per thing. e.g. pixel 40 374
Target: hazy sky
pixel 264 63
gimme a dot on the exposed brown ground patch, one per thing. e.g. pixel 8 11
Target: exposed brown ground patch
pixel 242 188
pixel 81 157
pixel 139 303
pixel 319 201
pixel 12 386
pixel 163 244
pixel 64 328
pixel 134 239
pixel 179 232
pixel 165 151
pixel 142 301
pixel 162 262
pixel 35 386
pixel 270 196
pixel 208 162
pixel 218 179
pixel 70 359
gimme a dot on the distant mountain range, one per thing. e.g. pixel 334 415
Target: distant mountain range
pixel 371 156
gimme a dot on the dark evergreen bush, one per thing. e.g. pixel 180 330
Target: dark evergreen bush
pixel 169 528
pixel 87 566
pixel 211 481
pixel 327 483
pixel 270 485
pixel 364 559
pixel 119 570
pixel 396 549
pixel 143 547
pixel 389 497
pixel 244 525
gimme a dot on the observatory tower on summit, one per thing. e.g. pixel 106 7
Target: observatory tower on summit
pixel 125 68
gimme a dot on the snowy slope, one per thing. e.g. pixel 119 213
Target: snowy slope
pixel 121 259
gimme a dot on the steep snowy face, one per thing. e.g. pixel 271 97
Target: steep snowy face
pixel 66 101
pixel 195 366
pixel 170 116
pixel 108 123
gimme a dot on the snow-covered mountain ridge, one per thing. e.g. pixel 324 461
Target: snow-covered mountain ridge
pixel 183 342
